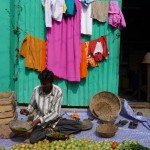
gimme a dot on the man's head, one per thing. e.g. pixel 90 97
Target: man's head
pixel 46 78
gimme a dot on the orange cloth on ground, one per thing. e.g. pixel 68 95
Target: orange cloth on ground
pixel 34 51
pixel 84 64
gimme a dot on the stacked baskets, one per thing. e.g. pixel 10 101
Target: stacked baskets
pixel 7 107
pixel 105 106
pixel 7 113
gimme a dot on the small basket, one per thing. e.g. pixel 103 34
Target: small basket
pixel 106 130
pixel 19 126
pixel 7 98
pixel 105 106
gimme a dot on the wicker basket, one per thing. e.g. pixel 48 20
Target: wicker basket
pixel 6 120
pixel 105 106
pixel 7 98
pixel 19 126
pixel 106 130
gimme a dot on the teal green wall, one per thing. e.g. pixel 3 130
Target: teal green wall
pixel 29 17
pixel 8 42
pixel 104 77
pixel 5 46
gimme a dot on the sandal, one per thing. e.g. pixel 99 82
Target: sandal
pixel 139 113
pixel 133 125
pixel 121 123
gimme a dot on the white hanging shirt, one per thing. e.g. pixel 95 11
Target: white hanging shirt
pixel 53 9
pixel 86 20
pixel 98 48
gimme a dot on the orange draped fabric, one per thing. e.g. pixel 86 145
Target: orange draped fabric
pixel 34 51
pixel 84 63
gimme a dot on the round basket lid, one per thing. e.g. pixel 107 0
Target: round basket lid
pixel 86 125
pixel 105 105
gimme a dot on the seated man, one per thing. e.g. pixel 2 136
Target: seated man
pixel 46 102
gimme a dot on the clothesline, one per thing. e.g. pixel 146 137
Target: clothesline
pixel 16 30
pixel 107 34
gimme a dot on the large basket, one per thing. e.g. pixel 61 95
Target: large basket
pixel 105 106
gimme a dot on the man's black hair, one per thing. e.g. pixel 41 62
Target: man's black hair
pixel 46 75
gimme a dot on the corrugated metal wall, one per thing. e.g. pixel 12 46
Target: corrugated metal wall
pixel 104 77
pixel 30 22
pixel 5 45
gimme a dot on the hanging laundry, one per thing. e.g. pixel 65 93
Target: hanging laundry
pixel 84 61
pixel 53 9
pixel 34 51
pixel 98 52
pixel 100 10
pixel 92 62
pixel 64 8
pixel 98 48
pixel 64 47
pixel 116 18
pixel 86 2
pixel 71 8
pixel 86 20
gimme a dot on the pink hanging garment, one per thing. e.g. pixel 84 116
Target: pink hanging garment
pixel 64 47
pixel 116 18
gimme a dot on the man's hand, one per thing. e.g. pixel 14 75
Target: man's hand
pixel 24 112
pixel 35 122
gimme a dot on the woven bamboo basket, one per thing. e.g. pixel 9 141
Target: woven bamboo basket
pixel 7 98
pixel 6 120
pixel 106 130
pixel 105 105
pixel 19 126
